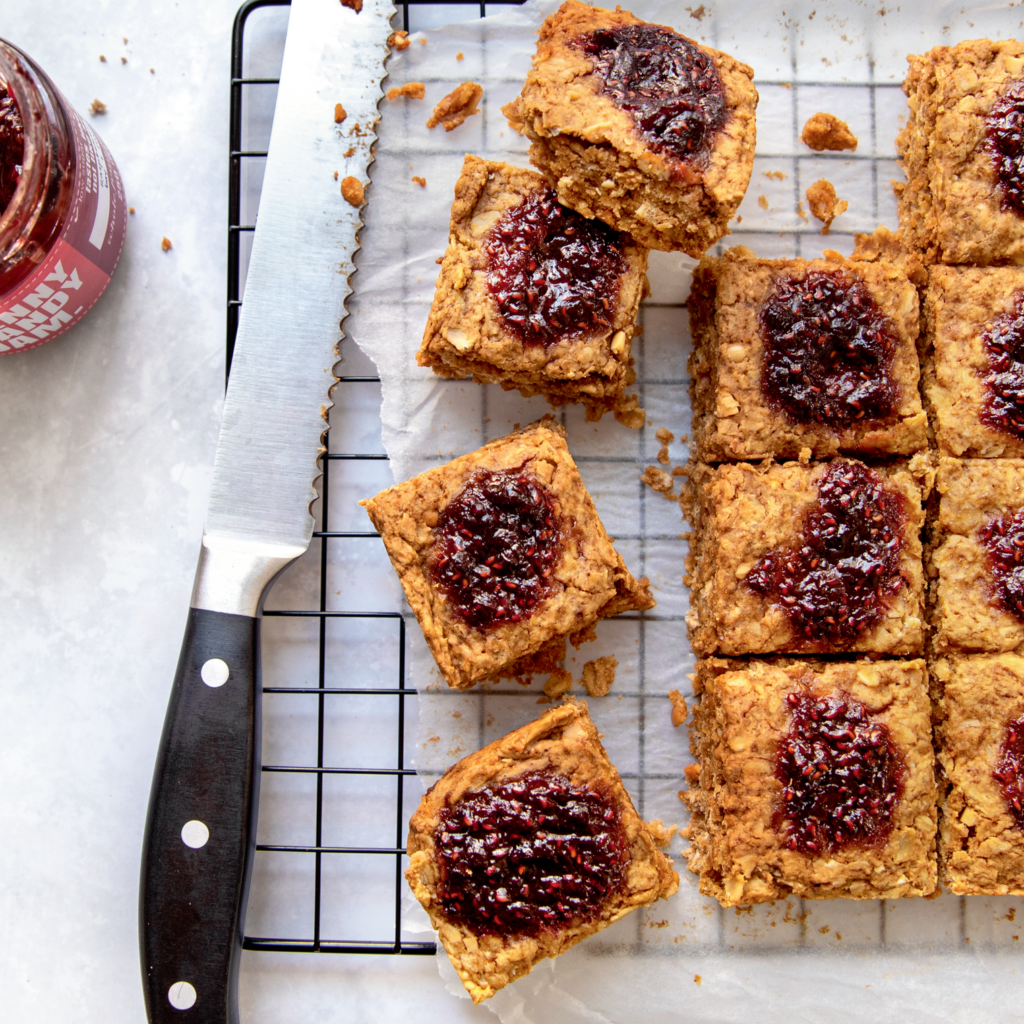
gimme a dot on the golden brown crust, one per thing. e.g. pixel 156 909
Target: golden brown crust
pixel 737 726
pixel 601 166
pixel 464 336
pixel 590 582
pixel 731 419
pixel 563 739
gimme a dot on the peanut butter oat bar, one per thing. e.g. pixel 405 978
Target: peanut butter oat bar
pixel 963 201
pixel 502 556
pixel 639 126
pixel 528 846
pixel 805 558
pixel 793 354
pixel 859 824
pixel 533 296
pixel 980 744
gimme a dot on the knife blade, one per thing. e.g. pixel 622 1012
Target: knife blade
pixel 199 842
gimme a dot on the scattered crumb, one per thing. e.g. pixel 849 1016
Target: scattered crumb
pixel 414 90
pixel 679 708
pixel 352 191
pixel 680 471
pixel 124 60
pixel 698 13
pixel 658 480
pixel 826 131
pixel 801 212
pixel 459 56
pixel 627 411
pixel 131 209
pixel 103 60
pixel 339 113
pixel 598 675
pixel 124 39
pixel 664 436
pixel 776 175
pixel 422 182
pixel 97 107
pixel 663 455
pixel 825 206
pixel 661 834
pixel 459 104
pixel 559 682
pixel 335 175
pixel 165 244
pixel 762 201
pixel 353 5
pixel 423 41
pixel 348 152
pixel 152 71
pixel 696 979
pixel 399 40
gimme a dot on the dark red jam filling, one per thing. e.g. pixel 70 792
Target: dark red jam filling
pixel 496 546
pixel 1009 770
pixel 530 854
pixel 1006 138
pixel 828 352
pixel 836 585
pixel 841 775
pixel 667 84
pixel 1003 540
pixel 553 273
pixel 1003 380
pixel 12 145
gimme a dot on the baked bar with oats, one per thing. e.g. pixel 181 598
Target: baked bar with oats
pixel 974 366
pixel 980 745
pixel 799 558
pixel 502 557
pixel 528 846
pixel 639 126
pixel 963 201
pixel 531 295
pixel 791 355
pixel 976 563
pixel 816 779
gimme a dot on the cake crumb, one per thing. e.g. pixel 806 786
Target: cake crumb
pixel 559 682
pixel 423 41
pixel 825 205
pixel 459 104
pixel 762 201
pixel 131 209
pixel 165 244
pixel 399 40
pixel 598 675
pixel 348 152
pixel 679 708
pixel 339 113
pixel 692 773
pixel 124 60
pixel 680 471
pixel 152 71
pixel 414 90
pixel 460 55
pixel 696 979
pixel 353 192
pixel 826 131
pixel 422 182
pixel 627 411
pixel 776 175
pixel 663 455
pixel 664 436
pixel 103 60
pixel 353 5
pixel 658 480
pixel 660 833
pixel 698 13
pixel 335 175
pixel 801 212
pixel 97 107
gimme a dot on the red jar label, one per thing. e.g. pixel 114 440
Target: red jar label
pixel 79 265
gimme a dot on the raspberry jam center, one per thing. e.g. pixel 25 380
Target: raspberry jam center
pixel 496 546
pixel 668 85
pixel 1003 380
pixel 837 584
pixel 1006 139
pixel 1003 540
pixel 841 775
pixel 12 145
pixel 530 854
pixel 553 274
pixel 828 352
pixel 1009 770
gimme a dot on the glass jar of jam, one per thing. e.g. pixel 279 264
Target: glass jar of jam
pixel 62 208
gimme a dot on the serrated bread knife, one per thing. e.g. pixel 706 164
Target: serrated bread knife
pixel 201 827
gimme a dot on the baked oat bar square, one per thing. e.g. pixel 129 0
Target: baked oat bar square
pixel 798 357
pixel 639 126
pixel 816 779
pixel 533 296
pixel 502 557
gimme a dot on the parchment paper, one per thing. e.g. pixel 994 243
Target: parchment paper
pixel 945 959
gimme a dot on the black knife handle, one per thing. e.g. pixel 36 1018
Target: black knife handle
pixel 192 897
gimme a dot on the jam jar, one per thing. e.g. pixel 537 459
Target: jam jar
pixel 62 208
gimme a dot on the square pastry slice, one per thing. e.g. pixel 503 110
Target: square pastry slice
pixel 805 558
pixel 639 126
pixel 980 745
pixel 797 356
pixel 974 364
pixel 528 846
pixel 502 556
pixel 533 296
pixel 977 565
pixel 963 201
pixel 816 779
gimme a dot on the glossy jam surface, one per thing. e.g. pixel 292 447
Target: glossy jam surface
pixel 530 854
pixel 828 352
pixel 1006 138
pixel 1003 540
pixel 496 546
pixel 841 775
pixel 1009 770
pixel 553 274
pixel 836 585
pixel 12 145
pixel 669 86
pixel 1003 380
